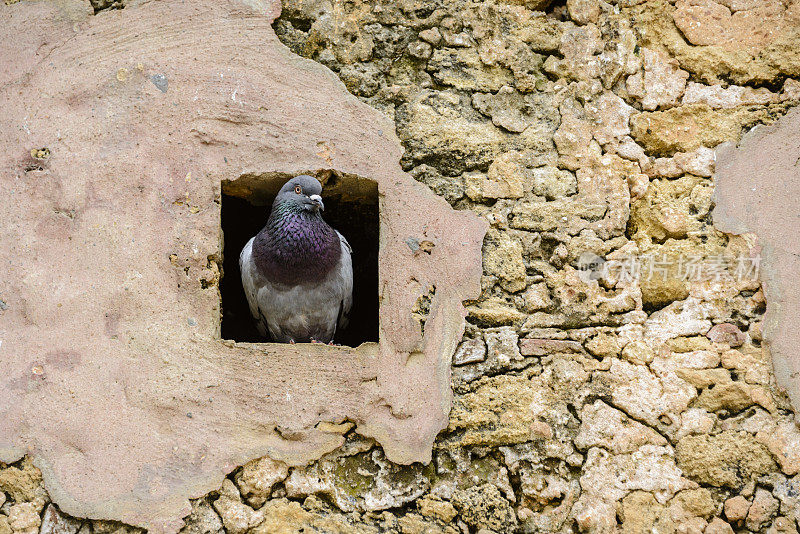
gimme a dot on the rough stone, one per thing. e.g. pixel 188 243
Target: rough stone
pixel 281 516
pixel 533 5
pixel 363 481
pixel 686 512
pixel 470 351
pixel 542 347
pixel 716 96
pixel 609 478
pixel 506 410
pixel 782 525
pixel 508 170
pixel 23 518
pixel 752 364
pixel 706 22
pixel 736 508
pixel 647 397
pixel 412 523
pixel 503 258
pixel 580 47
pixel 595 515
pixel 726 459
pixel 609 115
pixel 451 189
pixel 783 441
pixel 727 333
pixel 536 297
pixel 637 353
pixel 603 346
pixel 498 412
pixel 763 508
pixel 462 69
pixel 640 512
pixel 502 355
pixel 704 378
pixel 627 148
pixel 505 30
pixel 661 83
pixel 436 509
pixel 540 487
pixel 693 503
pixel 236 516
pixel 485 507
pixel 420 50
pixel 495 312
pixel 23 483
pixel 682 318
pixel 670 209
pixel 552 182
pixel 431 35
pixel 722 47
pixel 604 426
pixel 504 108
pixel 687 128
pixel 584 11
pixel 622 57
pixel 502 342
pixel 108 527
pixel 54 522
pixel 733 397
pixel 203 519
pixel 791 90
pixel 693 359
pixel 438 131
pixel 695 421
pixel 574 138
pixel 601 205
pixel 787 490
pixel 699 162
pixel 256 479
pixel 506 179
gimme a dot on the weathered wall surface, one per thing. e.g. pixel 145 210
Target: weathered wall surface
pixel 594 401
pixel 758 186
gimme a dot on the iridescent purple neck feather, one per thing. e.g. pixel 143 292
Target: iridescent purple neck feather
pixel 296 246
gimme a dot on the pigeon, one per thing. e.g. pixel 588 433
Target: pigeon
pixel 297 272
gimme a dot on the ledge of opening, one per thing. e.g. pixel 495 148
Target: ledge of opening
pixel 352 208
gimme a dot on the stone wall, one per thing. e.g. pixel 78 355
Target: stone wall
pixel 586 400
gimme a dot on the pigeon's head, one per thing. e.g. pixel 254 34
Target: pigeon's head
pixel 302 192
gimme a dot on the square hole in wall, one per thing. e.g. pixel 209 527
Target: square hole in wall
pixel 351 207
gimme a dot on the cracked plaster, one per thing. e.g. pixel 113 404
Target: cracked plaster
pixel 757 187
pixel 114 375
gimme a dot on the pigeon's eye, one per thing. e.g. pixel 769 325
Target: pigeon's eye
pixel 298 189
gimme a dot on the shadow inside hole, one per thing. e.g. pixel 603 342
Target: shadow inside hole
pixel 355 218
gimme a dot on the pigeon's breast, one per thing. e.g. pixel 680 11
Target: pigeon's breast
pixel 300 250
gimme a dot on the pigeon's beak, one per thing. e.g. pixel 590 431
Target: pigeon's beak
pixel 316 200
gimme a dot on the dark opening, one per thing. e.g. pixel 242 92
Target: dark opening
pixel 351 207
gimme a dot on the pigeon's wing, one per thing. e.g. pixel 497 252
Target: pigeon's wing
pixel 251 285
pixel 346 277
